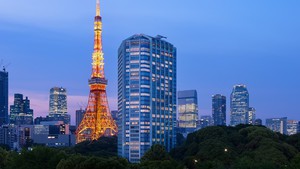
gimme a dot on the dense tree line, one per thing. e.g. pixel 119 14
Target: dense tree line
pixel 219 147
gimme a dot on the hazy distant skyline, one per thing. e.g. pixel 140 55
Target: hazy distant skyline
pixel 219 43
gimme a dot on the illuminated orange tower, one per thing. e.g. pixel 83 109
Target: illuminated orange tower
pixel 97 121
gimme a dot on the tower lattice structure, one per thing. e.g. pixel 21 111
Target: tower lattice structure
pixel 97 121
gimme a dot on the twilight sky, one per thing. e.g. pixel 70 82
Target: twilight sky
pixel 220 43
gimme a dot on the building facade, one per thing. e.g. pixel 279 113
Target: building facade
pixel 79 116
pixel 4 97
pixel 20 112
pixel 205 121
pixel 258 122
pixel 146 95
pixel 187 111
pixel 239 105
pixel 293 127
pixel 219 110
pixel 58 104
pixel 277 125
pixel 9 136
pixel 251 116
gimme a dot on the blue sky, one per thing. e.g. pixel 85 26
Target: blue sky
pixel 220 43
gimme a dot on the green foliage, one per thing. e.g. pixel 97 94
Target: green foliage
pixel 219 147
pixel 4 158
pixel 238 147
pixel 81 162
pixel 38 158
pixel 103 147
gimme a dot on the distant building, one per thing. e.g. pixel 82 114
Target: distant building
pixel 114 114
pixel 293 127
pixel 51 134
pixel 187 111
pixel 277 125
pixel 65 119
pixel 258 122
pixel 79 116
pixel 251 116
pixel 58 104
pixel 219 110
pixel 9 136
pixel 146 95
pixel 20 112
pixel 239 105
pixel 4 97
pixel 205 121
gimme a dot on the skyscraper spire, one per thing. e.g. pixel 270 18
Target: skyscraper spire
pixel 97 7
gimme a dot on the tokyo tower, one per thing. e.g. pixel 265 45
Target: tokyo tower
pixel 97 121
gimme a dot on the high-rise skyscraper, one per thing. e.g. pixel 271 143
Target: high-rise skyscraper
pixel 146 95
pixel 79 116
pixel 58 101
pixel 97 120
pixel 239 105
pixel 4 97
pixel 58 108
pixel 277 124
pixel 251 116
pixel 187 111
pixel 219 110
pixel 20 112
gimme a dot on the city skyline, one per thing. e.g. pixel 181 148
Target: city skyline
pixel 270 68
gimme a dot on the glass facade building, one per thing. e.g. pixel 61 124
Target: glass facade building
pixel 277 125
pixel 4 97
pixel 187 111
pixel 20 112
pixel 58 104
pixel 219 110
pixel 146 95
pixel 239 105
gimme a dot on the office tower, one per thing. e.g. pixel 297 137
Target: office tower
pixel 20 112
pixel 114 114
pixel 4 97
pixel 258 122
pixel 205 121
pixel 58 105
pixel 58 101
pixel 146 95
pixel 239 105
pixel 277 124
pixel 79 116
pixel 187 111
pixel 293 127
pixel 97 121
pixel 219 110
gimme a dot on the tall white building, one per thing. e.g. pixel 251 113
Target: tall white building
pixel 146 95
